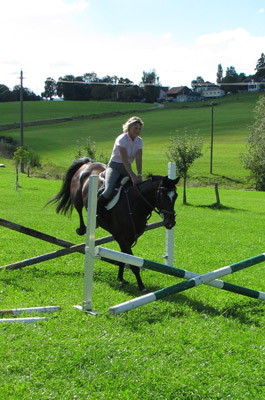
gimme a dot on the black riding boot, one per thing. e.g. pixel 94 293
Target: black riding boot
pixel 102 202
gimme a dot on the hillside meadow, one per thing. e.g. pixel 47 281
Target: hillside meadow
pixel 204 343
pixel 57 144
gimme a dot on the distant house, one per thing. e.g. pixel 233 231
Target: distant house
pixel 163 94
pixel 209 90
pixel 174 92
pixel 213 92
pixel 182 98
pixel 253 86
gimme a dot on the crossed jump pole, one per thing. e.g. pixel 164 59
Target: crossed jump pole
pixel 69 247
pixel 193 279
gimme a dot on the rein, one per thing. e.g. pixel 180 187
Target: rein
pixel 153 208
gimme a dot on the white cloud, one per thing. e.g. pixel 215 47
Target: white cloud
pixel 167 36
pixel 261 10
pixel 48 41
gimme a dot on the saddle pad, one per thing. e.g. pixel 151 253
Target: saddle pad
pixel 115 199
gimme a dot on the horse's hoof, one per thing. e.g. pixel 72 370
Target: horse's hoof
pixel 80 232
pixel 123 282
pixel 143 290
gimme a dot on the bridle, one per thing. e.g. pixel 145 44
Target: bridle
pixel 153 207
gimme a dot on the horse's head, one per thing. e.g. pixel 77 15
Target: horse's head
pixel 166 197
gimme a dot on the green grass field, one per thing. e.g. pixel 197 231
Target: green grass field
pixel 204 343
pixel 57 143
pixel 41 110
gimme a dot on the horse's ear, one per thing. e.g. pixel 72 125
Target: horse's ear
pixel 172 181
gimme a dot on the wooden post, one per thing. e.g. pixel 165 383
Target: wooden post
pixel 217 194
pixel 211 161
pixel 21 118
pixel 169 251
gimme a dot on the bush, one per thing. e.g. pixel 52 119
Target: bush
pixel 7 147
pixel 255 159
pixel 87 148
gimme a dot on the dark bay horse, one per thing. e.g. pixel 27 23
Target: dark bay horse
pixel 127 220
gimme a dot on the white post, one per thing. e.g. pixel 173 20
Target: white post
pixel 90 243
pixel 169 250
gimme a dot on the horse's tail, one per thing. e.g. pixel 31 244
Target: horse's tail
pixel 63 198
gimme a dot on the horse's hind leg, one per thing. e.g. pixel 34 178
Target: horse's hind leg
pixel 82 228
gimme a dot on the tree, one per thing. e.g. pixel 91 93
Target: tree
pixel 231 76
pixel 49 88
pixel 125 81
pixel 28 95
pixel 150 78
pixel 184 150
pixel 66 89
pixel 151 93
pixel 5 94
pixel 254 160
pixel 219 75
pixel 197 82
pixel 90 77
pixel 21 156
pixel 260 67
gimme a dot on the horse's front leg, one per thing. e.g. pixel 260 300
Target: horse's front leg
pixel 136 270
pixel 120 275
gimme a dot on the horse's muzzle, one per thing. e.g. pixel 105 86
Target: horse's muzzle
pixel 169 220
pixel 169 224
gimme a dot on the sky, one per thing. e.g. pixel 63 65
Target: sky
pixel 178 39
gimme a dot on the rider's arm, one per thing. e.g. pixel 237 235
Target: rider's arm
pixel 127 165
pixel 138 160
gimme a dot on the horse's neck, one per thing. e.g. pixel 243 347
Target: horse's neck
pixel 149 188
pixel 148 191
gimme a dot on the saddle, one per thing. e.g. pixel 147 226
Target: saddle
pixel 115 196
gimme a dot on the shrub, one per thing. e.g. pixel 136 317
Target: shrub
pixel 254 160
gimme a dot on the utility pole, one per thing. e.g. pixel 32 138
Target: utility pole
pixel 21 117
pixel 211 161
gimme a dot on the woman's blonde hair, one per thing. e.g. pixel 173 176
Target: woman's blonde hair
pixel 131 121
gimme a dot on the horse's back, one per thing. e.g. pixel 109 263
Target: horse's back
pixel 84 174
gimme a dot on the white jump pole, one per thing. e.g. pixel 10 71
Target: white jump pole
pixel 28 310
pixel 169 250
pixel 90 245
pixel 29 320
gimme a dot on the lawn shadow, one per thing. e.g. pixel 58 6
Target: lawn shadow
pixel 14 282
pixel 216 206
pixel 246 313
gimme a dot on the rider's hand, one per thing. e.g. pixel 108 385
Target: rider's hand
pixel 136 179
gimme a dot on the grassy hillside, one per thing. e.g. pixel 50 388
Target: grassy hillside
pixel 232 115
pixel 40 110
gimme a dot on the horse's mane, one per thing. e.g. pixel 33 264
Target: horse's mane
pixel 82 160
pixel 153 177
